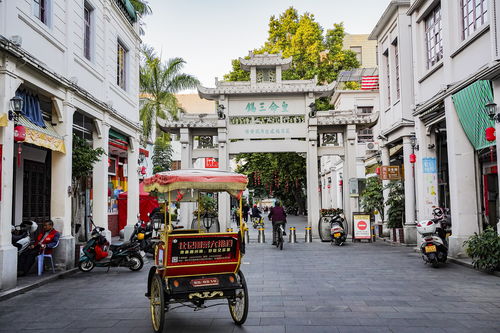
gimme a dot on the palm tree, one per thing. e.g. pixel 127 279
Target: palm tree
pixel 141 7
pixel 159 82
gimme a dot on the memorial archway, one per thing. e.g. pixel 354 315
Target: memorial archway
pixel 268 114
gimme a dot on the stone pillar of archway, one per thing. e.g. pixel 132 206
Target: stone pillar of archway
pixel 349 173
pixel 224 198
pixel 313 197
pixel 186 163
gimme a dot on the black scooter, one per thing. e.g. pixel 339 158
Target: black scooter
pixel 125 255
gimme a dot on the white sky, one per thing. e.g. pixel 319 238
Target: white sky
pixel 208 34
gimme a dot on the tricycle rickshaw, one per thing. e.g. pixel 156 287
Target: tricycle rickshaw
pixel 192 266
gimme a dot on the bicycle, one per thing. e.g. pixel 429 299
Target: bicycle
pixel 280 239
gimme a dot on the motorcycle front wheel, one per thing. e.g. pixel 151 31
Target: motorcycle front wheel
pixel 136 263
pixel 86 266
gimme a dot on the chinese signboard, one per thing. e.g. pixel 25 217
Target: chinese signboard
pixel 429 167
pixel 390 173
pixel 211 163
pixel 362 227
pixel 202 249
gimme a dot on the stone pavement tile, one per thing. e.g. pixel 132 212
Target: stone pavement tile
pixel 473 324
pixel 259 329
pixel 310 329
pixel 422 309
pixel 385 303
pixel 40 324
pixel 468 330
pixel 265 314
pixel 107 330
pixel 132 323
pixel 402 315
pixel 376 309
pixel 228 322
pixel 272 321
pixel 362 329
pixel 387 322
pixel 55 330
pixel 416 330
pixel 443 322
pixel 440 316
pixel 104 323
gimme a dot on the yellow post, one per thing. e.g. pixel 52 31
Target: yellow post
pixel 168 207
pixel 241 209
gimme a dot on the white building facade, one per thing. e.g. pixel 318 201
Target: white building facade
pixel 75 63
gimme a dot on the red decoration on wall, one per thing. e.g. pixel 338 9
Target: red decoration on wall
pixel 413 158
pixel 143 170
pixel 341 182
pixel 377 170
pixel 490 134
pixel 19 133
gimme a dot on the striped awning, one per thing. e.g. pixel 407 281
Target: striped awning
pixel 43 137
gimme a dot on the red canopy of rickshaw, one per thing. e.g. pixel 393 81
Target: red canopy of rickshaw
pixel 203 180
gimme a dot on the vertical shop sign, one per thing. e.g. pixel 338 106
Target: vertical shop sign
pixel 429 167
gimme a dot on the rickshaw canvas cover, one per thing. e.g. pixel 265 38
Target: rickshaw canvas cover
pixel 202 249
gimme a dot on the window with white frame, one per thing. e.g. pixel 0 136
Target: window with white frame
pixel 365 109
pixel 87 32
pixel 387 76
pixel 40 10
pixel 474 15
pixel 121 69
pixel 433 37
pixel 365 135
pixel 396 67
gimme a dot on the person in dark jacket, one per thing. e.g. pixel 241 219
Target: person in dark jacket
pixel 246 210
pixel 45 242
pixel 277 216
pixel 256 212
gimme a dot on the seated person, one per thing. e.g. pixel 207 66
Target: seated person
pixel 45 241
pixel 256 212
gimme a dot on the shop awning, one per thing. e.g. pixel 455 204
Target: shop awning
pixel 470 106
pixel 4 120
pixel 43 137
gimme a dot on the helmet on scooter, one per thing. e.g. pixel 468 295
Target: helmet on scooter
pixel 140 236
pixel 438 212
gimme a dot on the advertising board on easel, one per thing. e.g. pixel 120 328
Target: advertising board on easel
pixel 361 227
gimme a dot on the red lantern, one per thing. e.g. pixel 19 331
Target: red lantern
pixel 341 182
pixel 377 170
pixel 490 134
pixel 413 158
pixel 143 170
pixel 19 133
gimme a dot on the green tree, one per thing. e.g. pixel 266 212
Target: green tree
pixel 372 197
pixel 396 204
pixel 159 82
pixel 141 7
pixel 162 154
pixel 83 159
pixel 282 176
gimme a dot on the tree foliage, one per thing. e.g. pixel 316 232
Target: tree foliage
pixel 484 249
pixel 84 158
pixel 162 154
pixel 396 204
pixel 372 198
pixel 281 175
pixel 314 52
pixel 159 82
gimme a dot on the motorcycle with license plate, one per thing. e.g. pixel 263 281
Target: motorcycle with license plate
pixel 143 235
pixel 23 235
pixel 337 232
pixel 98 253
pixel 434 246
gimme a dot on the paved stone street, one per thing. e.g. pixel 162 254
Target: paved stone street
pixel 305 288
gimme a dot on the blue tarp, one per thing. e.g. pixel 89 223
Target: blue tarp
pixel 31 107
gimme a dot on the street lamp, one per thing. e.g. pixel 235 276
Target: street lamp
pixel 312 113
pixel 491 110
pixel 220 111
pixel 16 105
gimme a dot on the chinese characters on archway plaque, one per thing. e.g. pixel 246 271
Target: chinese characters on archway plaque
pixel 390 173
pixel 267 106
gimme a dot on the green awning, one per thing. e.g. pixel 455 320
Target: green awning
pixel 116 135
pixel 470 106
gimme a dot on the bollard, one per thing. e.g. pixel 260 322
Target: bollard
pixel 247 237
pixel 229 230
pixel 293 236
pixel 308 235
pixel 262 237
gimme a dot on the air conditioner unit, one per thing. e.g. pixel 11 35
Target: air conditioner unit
pixel 371 146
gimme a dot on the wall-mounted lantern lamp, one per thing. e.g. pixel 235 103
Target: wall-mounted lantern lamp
pixel 491 110
pixel 220 111
pixel 312 113
pixel 16 105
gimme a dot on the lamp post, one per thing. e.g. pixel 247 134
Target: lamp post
pixel 16 105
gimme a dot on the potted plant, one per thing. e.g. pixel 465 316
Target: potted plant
pixel 396 209
pixel 484 249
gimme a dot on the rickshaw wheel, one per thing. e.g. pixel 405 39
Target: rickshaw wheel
pixel 157 304
pixel 239 307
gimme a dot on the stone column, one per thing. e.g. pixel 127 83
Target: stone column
pixel 313 195
pixel 410 231
pixel 61 182
pixel 496 93
pixel 100 178
pixel 463 183
pixel 8 253
pixel 224 198
pixel 133 186
pixel 385 162
pixel 186 208
pixel 349 172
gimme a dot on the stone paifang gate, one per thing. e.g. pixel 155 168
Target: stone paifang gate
pixel 268 114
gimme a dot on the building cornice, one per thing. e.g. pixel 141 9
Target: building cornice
pixel 386 16
pixel 350 117
pixel 415 5
pixel 265 61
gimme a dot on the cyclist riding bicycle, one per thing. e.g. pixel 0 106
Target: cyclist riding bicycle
pixel 277 216
pixel 256 212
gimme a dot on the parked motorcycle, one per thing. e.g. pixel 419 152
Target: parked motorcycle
pixel 434 246
pixel 23 235
pixel 143 235
pixel 337 231
pixel 125 254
